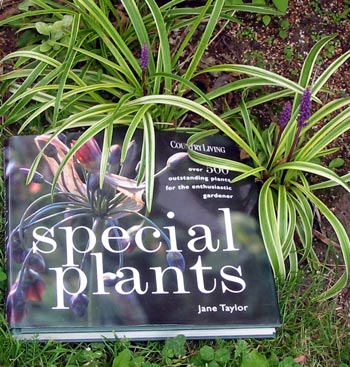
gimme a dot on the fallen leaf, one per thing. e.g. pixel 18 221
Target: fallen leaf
pixel 300 359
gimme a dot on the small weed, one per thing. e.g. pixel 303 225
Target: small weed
pixel 208 356
pixel 331 17
pixel 336 163
pixel 284 26
pixel 329 51
pixel 247 33
pixel 91 356
pixel 266 19
pixel 174 348
pixel 58 31
pixel 289 52
pixel 256 57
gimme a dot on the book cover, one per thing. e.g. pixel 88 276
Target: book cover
pixel 87 261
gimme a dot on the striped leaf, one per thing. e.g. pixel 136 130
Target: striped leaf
pixel 269 229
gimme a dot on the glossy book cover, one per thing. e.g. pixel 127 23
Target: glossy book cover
pixel 87 261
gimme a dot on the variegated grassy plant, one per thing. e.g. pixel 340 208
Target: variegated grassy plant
pixel 283 157
pixel 83 69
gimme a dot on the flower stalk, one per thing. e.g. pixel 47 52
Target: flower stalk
pixel 284 119
pixel 144 61
pixel 304 115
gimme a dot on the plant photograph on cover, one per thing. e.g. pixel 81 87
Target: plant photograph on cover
pixel 88 253
pixel 78 205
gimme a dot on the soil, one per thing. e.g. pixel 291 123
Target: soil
pixel 280 46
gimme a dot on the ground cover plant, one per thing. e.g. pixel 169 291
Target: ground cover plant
pixel 106 67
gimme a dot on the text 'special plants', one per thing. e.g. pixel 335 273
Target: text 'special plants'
pixel 80 200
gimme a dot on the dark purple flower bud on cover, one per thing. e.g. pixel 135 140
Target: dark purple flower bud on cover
pixel 89 155
pixel 37 178
pixel 93 182
pixel 144 58
pixel 176 159
pixel 305 108
pixel 18 254
pixel 36 262
pixel 16 304
pixel 176 259
pixel 11 168
pixel 128 166
pixel 129 241
pixel 79 303
pixel 285 115
pixel 62 138
pixel 33 286
pixel 109 279
pixel 114 155
pixel 50 150
pixel 17 251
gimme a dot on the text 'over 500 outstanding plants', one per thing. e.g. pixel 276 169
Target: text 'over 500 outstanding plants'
pixel 93 66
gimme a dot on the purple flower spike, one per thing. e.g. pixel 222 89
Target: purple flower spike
pixel 285 115
pixel 305 108
pixel 144 60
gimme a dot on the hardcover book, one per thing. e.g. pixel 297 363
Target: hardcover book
pixel 87 259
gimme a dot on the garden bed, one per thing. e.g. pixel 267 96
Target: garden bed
pixel 279 44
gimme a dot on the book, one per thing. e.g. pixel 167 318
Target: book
pixel 87 260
